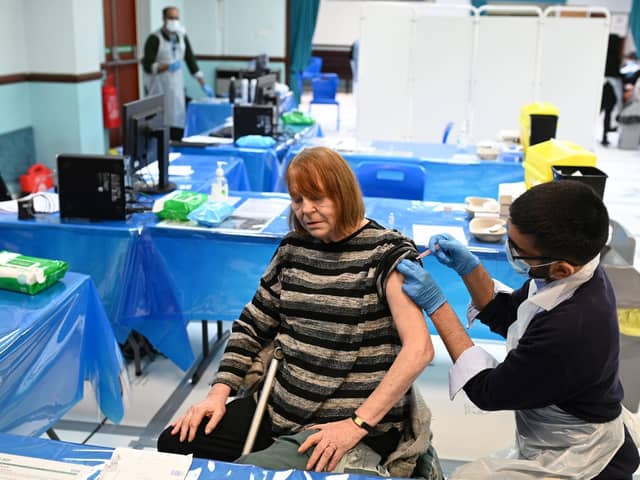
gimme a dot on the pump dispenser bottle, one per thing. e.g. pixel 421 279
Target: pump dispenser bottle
pixel 220 186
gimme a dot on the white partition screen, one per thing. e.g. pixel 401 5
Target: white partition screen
pixel 572 72
pixel 504 73
pixel 441 54
pixel 420 67
pixel 384 96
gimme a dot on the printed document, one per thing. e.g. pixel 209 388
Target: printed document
pixel 130 464
pixel 17 467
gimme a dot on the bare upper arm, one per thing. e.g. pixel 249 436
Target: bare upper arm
pixel 407 316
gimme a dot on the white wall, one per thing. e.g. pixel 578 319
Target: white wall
pixel 222 27
pixel 338 22
pixel 48 40
pixel 203 19
pixel 612 5
pixel 13 48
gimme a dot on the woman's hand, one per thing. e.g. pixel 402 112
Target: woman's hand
pixel 214 406
pixel 331 442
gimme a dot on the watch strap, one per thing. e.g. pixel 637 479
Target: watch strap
pixel 362 424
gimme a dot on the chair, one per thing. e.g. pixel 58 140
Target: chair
pixel 391 179
pixel 312 70
pixel 324 88
pixel 621 247
pixel 447 131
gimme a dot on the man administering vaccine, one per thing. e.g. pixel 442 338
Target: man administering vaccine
pixel 164 52
pixel 560 374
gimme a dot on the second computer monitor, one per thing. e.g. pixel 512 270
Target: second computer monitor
pixel 266 90
pixel 146 140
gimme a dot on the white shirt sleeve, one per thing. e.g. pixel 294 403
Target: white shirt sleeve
pixel 472 310
pixel 472 361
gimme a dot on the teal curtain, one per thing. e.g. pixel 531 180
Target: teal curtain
pixel 634 23
pixel 302 23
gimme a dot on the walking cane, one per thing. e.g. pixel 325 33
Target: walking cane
pixel 262 402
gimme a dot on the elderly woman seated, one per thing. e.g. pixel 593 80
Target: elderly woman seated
pixel 353 344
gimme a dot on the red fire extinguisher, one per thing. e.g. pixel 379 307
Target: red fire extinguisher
pixel 110 107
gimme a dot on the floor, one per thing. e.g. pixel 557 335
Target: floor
pixel 461 431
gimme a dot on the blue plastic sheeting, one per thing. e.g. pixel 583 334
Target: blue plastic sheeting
pixel 204 116
pixel 264 165
pixel 50 344
pixel 103 250
pixel 448 179
pixel 208 470
pixel 223 270
pixel 204 172
pixel 108 251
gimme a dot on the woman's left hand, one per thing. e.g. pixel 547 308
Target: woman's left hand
pixel 331 442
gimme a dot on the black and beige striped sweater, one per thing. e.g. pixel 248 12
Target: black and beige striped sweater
pixel 325 306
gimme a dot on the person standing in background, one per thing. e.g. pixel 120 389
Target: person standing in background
pixel 612 88
pixel 164 51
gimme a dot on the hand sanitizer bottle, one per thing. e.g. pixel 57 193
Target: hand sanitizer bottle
pixel 220 186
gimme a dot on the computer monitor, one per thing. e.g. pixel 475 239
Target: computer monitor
pixel 254 120
pixel 261 63
pixel 266 90
pixel 91 186
pixel 146 140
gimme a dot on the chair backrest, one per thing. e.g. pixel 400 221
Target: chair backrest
pixel 324 87
pixel 314 66
pixel 391 179
pixel 447 131
pixel 621 247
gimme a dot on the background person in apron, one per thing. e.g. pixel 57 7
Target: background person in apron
pixel 164 52
pixel 560 375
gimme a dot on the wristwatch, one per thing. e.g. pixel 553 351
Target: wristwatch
pixel 362 424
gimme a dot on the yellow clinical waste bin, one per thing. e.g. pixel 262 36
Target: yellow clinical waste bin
pixel 538 122
pixel 542 156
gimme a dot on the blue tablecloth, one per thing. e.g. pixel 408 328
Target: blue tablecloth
pixel 212 274
pixel 450 178
pixel 264 165
pixel 108 250
pixel 205 115
pixel 209 470
pixel 204 171
pixel 50 343
pixel 104 250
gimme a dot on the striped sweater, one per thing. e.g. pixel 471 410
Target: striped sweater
pixel 324 304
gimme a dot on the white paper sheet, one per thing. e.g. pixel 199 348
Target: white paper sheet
pixel 422 233
pixel 207 139
pixel 17 467
pixel 130 464
pixel 254 215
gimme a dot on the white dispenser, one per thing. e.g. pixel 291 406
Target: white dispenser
pixel 220 186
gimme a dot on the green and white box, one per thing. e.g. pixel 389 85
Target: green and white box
pixel 29 274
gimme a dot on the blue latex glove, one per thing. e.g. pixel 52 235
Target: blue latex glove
pixel 420 286
pixel 175 66
pixel 452 253
pixel 207 89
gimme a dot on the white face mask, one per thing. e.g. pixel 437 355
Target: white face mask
pixel 174 26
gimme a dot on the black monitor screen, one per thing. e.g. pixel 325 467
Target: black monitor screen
pixel 146 139
pixel 266 90
pixel 91 186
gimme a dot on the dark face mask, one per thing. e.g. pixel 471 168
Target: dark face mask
pixel 541 272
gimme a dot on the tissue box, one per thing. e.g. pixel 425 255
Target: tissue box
pixel 30 275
